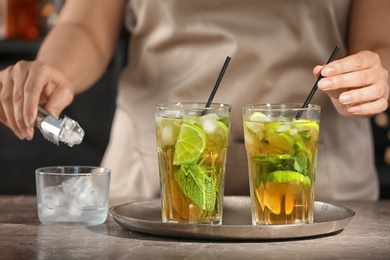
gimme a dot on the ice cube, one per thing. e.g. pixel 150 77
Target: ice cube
pixel 249 139
pixel 193 113
pixel 209 123
pixel 85 193
pixel 283 128
pixel 210 116
pixel 53 197
pixel 167 136
pixel 293 131
pixel 209 126
pixel 253 126
pixel 77 199
pixel 74 212
pixel 173 114
pixel 73 186
pixel 71 132
pixel 90 199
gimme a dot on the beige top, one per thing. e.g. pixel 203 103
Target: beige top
pixel 177 49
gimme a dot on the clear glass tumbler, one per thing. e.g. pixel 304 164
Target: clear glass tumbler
pixel 72 195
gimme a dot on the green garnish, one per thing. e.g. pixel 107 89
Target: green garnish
pixel 197 185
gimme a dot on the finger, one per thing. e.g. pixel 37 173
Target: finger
pixel 60 92
pixel 362 95
pixel 317 70
pixel 3 118
pixel 44 84
pixel 370 108
pixel 2 115
pixel 36 81
pixel 355 79
pixel 19 78
pixel 7 105
pixel 358 61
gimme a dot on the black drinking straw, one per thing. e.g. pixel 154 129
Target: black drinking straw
pixel 218 81
pixel 315 87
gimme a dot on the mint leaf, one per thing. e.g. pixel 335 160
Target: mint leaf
pixel 271 163
pixel 301 163
pixel 305 135
pixel 197 185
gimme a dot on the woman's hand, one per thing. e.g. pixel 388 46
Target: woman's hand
pixel 357 84
pixel 23 87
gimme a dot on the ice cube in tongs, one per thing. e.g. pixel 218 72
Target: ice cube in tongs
pixel 57 130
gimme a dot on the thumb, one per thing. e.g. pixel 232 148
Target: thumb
pixel 58 102
pixel 60 94
pixel 317 70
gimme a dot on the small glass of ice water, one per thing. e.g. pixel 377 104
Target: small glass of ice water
pixel 72 195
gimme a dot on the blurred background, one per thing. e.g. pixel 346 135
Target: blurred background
pixel 23 25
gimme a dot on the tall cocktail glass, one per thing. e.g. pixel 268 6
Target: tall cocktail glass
pixel 192 143
pixel 281 142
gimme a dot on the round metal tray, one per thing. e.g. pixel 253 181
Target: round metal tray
pixel 145 217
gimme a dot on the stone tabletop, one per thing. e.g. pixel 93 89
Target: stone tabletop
pixel 22 236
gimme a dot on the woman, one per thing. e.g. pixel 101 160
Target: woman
pixel 176 51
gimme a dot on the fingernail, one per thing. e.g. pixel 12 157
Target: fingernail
pixel 29 134
pixel 354 109
pixel 324 84
pixel 19 135
pixel 328 70
pixel 345 98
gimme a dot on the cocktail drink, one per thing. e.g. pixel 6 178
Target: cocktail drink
pixel 192 143
pixel 281 142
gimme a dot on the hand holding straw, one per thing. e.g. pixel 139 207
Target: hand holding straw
pixel 315 87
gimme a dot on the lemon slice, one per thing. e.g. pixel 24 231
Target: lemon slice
pixel 190 144
pixel 278 144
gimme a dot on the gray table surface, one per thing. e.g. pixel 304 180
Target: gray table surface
pixel 22 236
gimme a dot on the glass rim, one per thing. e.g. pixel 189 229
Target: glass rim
pixel 191 106
pixel 67 170
pixel 281 107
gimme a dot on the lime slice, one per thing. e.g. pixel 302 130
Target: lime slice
pixel 219 138
pixel 287 176
pixel 259 117
pixel 272 127
pixel 190 144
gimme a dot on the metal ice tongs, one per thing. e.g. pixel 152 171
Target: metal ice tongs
pixel 54 129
